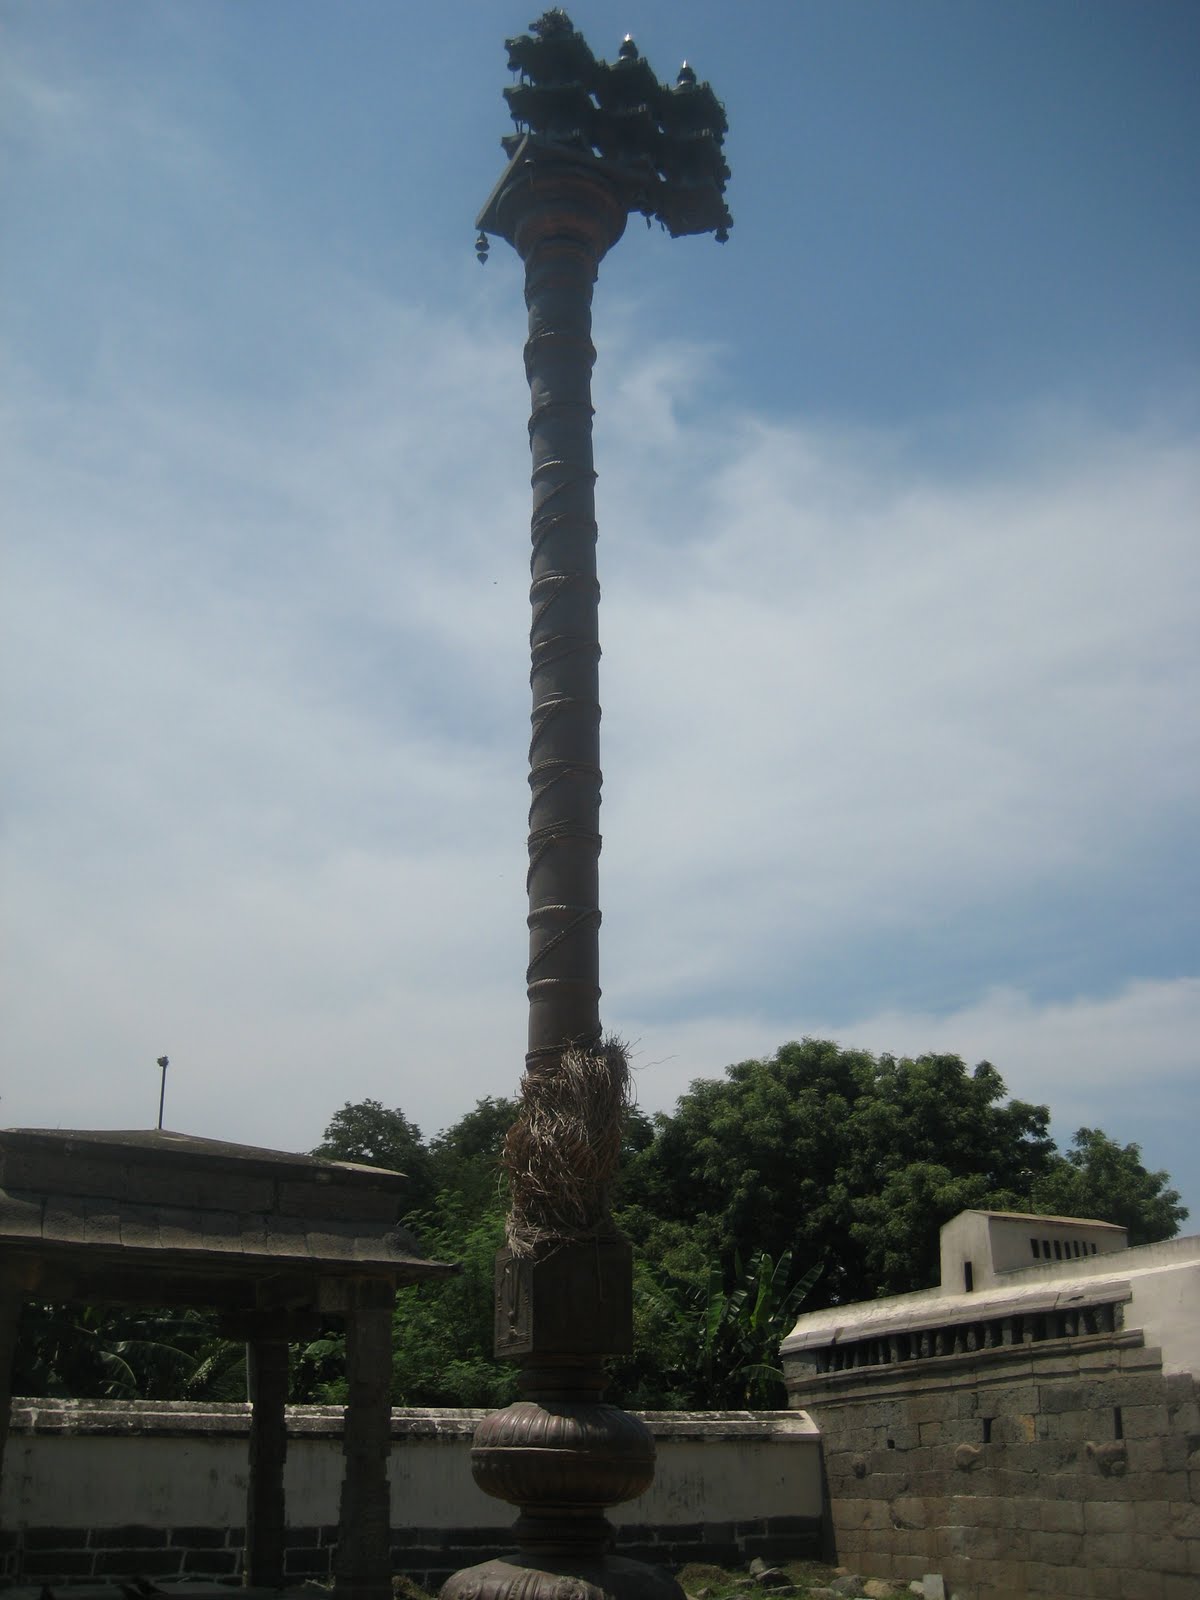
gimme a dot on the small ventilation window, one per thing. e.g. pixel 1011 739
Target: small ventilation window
pixel 1075 1247
pixel 987 1430
pixel 968 1277
pixel 1093 1247
pixel 1058 1249
pixel 1033 1245
pixel 1046 1248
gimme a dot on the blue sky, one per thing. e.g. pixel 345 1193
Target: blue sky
pixel 897 498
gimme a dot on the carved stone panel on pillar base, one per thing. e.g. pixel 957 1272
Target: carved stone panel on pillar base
pixel 576 1299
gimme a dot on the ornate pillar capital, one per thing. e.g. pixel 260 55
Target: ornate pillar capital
pixel 549 193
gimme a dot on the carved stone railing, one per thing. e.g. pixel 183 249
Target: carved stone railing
pixel 932 1327
pixel 956 1338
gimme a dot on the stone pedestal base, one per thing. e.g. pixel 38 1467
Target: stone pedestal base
pixel 559 1454
pixel 604 1577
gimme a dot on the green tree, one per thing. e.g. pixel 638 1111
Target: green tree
pixel 839 1156
pixel 442 1338
pixel 814 1155
pixel 465 1158
pixel 702 1343
pixel 1100 1178
pixel 366 1131
pixel 444 1330
pixel 125 1353
pixel 442 1344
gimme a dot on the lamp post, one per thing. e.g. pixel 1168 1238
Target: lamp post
pixel 595 141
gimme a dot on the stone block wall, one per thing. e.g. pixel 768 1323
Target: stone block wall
pixel 1070 1467
pixel 103 1555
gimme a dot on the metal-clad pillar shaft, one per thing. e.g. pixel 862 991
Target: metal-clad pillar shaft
pixel 564 749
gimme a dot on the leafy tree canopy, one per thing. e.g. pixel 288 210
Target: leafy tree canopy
pixel 368 1132
pixel 480 1133
pixel 818 1173
pixel 125 1353
pixel 1100 1178
pixel 856 1161
pixel 465 1157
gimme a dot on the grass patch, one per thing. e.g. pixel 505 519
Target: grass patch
pixel 722 1583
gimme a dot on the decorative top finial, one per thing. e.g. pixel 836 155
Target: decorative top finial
pixel 663 142
pixel 551 22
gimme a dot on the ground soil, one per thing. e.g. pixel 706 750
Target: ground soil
pixel 722 1583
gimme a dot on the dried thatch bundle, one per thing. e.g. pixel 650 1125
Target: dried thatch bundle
pixel 563 1149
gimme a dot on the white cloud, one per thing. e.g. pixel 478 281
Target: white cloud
pixel 268 715
pixel 1080 1055
pixel 866 699
pixel 877 697
pixel 1126 1061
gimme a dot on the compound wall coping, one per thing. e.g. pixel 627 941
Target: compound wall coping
pixel 180 1417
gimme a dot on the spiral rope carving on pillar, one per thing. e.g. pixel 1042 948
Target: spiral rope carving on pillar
pixel 562 978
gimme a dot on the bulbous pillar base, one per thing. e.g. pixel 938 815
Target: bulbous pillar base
pixel 531 1577
pixel 561 1456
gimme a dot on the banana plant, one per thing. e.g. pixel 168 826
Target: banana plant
pixel 733 1333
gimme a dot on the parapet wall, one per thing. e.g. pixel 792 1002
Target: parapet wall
pixel 95 1491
